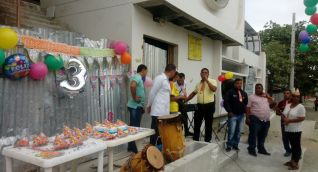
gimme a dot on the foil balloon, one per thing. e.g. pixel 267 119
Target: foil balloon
pixel 38 71
pixel 76 77
pixel 16 66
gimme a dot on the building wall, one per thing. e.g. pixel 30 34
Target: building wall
pixel 229 21
pixel 211 50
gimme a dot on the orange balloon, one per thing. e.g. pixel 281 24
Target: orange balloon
pixel 125 58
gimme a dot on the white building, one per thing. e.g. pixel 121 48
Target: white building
pixel 158 32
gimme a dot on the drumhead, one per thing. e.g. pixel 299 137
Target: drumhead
pixel 155 157
pixel 169 116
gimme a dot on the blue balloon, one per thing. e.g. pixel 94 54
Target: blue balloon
pixel 16 66
pixel 305 40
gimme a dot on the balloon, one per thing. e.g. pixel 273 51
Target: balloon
pixel 125 58
pixel 120 47
pixel 2 57
pixel 311 28
pixel 314 19
pixel 53 63
pixel 76 77
pixel 229 75
pixel 221 78
pixel 16 66
pixel 303 48
pixel 38 71
pixel 8 38
pixel 310 3
pixel 148 82
pixel 305 40
pixel 303 35
pixel 310 10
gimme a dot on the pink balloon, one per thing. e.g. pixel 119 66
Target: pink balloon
pixel 120 47
pixel 314 19
pixel 148 82
pixel 38 71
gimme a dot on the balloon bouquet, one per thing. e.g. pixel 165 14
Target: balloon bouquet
pixel 227 84
pixel 304 36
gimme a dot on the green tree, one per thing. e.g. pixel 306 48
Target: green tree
pixel 276 44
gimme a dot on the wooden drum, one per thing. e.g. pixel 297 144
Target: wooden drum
pixel 149 159
pixel 172 137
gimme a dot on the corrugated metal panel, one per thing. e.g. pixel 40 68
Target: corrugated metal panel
pixel 41 107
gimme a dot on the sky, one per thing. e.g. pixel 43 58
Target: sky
pixel 258 12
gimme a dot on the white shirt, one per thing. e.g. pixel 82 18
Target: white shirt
pixel 181 88
pixel 294 113
pixel 159 96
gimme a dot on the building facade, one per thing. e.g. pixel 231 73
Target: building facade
pixel 193 34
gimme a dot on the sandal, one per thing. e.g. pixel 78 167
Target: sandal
pixel 289 163
pixel 294 166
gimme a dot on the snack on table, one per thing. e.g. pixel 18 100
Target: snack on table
pixel 132 130
pixel 23 142
pixel 74 141
pixel 89 128
pixel 122 125
pixel 121 133
pixel 60 143
pixel 97 134
pixel 49 154
pixel 108 136
pixel 40 140
pixel 79 135
pixel 67 131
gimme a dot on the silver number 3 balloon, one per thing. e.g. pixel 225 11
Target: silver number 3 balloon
pixel 76 76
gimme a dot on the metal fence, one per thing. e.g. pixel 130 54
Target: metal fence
pixel 39 106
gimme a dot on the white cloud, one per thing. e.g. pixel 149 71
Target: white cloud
pixel 258 12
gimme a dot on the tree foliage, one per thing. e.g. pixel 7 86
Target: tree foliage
pixel 276 41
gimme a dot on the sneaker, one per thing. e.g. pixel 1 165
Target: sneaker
pixel 228 149
pixel 287 154
pixel 236 148
pixel 264 152
pixel 253 153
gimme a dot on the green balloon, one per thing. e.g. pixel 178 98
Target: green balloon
pixel 310 10
pixel 53 63
pixel 2 57
pixel 311 28
pixel 310 3
pixel 303 48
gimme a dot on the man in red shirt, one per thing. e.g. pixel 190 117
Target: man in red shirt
pixel 279 110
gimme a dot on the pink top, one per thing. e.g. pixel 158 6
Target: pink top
pixel 259 107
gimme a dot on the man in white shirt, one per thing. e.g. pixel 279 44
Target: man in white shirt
pixel 159 98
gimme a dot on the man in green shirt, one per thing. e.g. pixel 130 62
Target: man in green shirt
pixel 136 101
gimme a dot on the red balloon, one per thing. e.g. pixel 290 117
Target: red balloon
pixel 221 78
pixel 314 19
pixel 125 58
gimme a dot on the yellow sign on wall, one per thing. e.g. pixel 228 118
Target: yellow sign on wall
pixel 194 48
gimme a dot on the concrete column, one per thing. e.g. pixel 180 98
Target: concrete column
pixel 216 71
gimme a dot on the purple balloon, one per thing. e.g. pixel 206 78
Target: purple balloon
pixel 303 35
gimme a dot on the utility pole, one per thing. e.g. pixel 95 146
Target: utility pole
pixel 292 55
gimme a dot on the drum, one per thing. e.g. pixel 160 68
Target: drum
pixel 171 135
pixel 149 159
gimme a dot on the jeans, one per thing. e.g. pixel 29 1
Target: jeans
pixel 135 119
pixel 258 131
pixel 295 141
pixel 155 139
pixel 235 124
pixel 285 139
pixel 205 111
